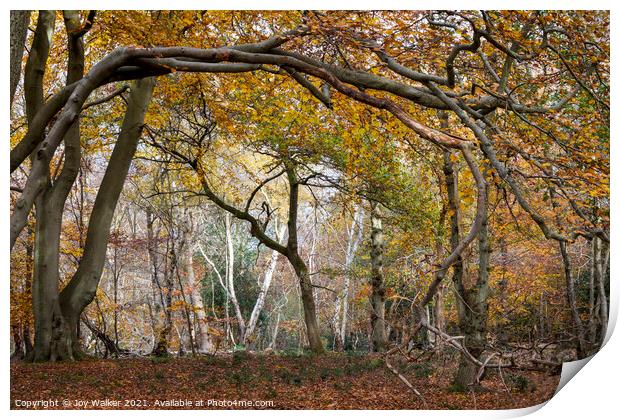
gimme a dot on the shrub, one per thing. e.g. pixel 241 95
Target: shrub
pixel 520 383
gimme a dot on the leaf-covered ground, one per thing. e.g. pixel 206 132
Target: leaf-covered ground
pixel 290 382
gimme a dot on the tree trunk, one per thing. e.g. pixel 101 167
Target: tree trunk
pixel 474 312
pixel 163 338
pixel 262 295
pixel 115 278
pixel 600 283
pixel 472 303
pixel 28 343
pixel 592 314
pixel 579 331
pixel 438 307
pixel 377 294
pixel 354 238
pixel 160 348
pixel 81 290
pixel 292 253
pixel 307 299
pixel 37 62
pixel 230 276
pixel 186 304
pixel 572 302
pixel 52 338
pixel 438 315
pixel 152 245
pixel 18 344
pixel 274 337
pixel 51 341
pixel 503 289
pixel 201 327
pixel 19 31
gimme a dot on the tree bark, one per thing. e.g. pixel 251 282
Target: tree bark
pixel 262 294
pixel 81 290
pixel 471 302
pixel 572 301
pixel 309 308
pixel 18 345
pixel 580 339
pixel 292 253
pixel 186 308
pixel 600 283
pixel 440 232
pixel 152 245
pixel 274 337
pixel 37 62
pixel 377 294
pixel 201 327
pixel 592 315
pixel 474 313
pixel 52 335
pixel 230 277
pixel 51 342
pixel 160 347
pixel 353 241
pixel 19 31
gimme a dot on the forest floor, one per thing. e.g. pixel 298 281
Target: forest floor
pixel 332 381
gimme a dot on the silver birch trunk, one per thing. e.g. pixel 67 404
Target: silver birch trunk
pixel 260 301
pixel 355 236
pixel 230 282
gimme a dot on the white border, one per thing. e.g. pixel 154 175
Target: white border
pixel 593 394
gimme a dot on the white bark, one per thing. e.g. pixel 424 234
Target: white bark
pixel 274 338
pixel 230 282
pixel 354 239
pixel 260 301
pixel 221 281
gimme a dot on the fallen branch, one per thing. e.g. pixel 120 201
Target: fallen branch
pixel 401 377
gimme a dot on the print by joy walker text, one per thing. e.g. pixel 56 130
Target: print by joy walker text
pixel 107 403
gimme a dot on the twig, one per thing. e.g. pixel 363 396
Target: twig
pixel 106 98
pixel 501 376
